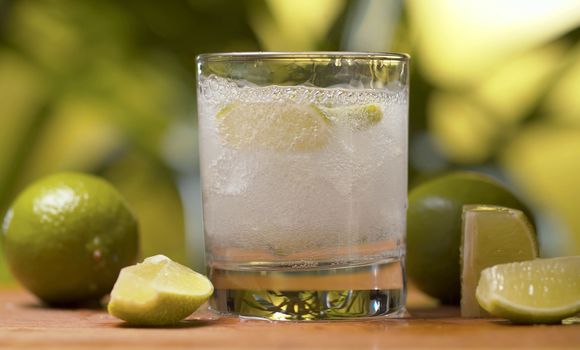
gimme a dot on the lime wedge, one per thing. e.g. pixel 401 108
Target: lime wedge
pixel 536 291
pixel 273 126
pixel 158 292
pixel 357 118
pixel 571 320
pixel 491 235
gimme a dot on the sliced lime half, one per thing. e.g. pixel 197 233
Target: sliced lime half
pixel 273 126
pixel 536 291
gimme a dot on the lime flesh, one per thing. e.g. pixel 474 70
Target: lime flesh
pixel 536 291
pixel 158 292
pixel 273 126
pixel 491 235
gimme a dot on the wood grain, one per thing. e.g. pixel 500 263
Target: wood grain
pixel 25 324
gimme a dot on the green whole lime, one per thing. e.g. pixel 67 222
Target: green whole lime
pixel 434 228
pixel 67 236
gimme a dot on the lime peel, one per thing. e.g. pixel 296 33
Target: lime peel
pixel 67 236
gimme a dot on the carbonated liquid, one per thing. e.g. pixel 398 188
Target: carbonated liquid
pixel 304 199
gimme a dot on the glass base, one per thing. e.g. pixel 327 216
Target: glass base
pixel 368 291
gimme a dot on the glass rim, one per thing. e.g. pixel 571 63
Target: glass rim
pixel 305 55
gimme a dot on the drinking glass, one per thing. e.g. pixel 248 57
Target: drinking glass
pixel 303 160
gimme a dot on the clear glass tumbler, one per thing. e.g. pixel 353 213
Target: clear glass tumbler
pixel 303 160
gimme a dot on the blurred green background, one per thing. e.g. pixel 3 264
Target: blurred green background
pixel 108 87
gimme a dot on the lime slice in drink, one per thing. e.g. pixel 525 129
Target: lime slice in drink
pixel 158 292
pixel 536 291
pixel 491 235
pixel 273 126
pixel 357 117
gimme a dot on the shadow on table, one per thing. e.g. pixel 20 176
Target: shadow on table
pixel 434 312
pixel 89 305
pixel 180 325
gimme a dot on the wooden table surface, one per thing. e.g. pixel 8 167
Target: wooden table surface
pixel 25 324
